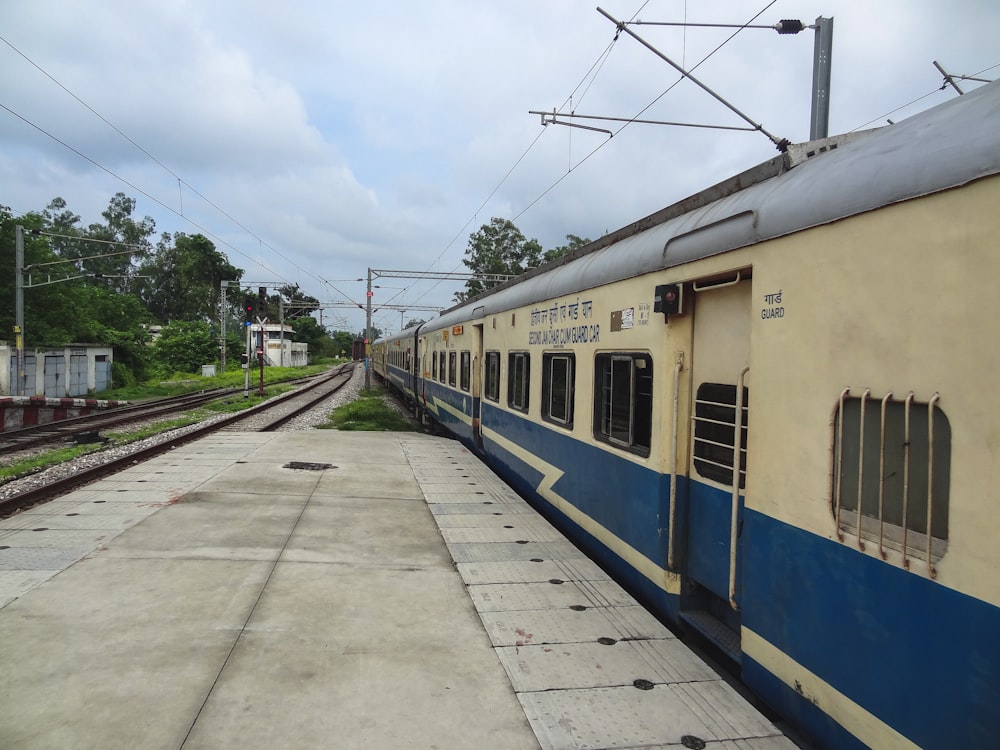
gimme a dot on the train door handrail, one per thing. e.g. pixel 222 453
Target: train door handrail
pixel 737 451
pixel 678 366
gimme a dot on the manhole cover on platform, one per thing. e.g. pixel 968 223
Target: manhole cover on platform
pixel 307 466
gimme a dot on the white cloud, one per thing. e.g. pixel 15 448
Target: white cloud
pixel 370 134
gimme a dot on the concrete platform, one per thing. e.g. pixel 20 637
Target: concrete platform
pixel 399 597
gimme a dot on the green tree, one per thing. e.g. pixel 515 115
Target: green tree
pixel 297 303
pixel 53 306
pixel 183 346
pixel 120 321
pixel 572 243
pixel 184 275
pixel 343 341
pixel 60 221
pixel 62 305
pixel 124 238
pixel 307 330
pixel 497 248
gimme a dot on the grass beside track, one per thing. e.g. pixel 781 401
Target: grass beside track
pixel 370 412
pixel 181 383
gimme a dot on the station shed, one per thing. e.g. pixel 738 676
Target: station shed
pixel 278 347
pixel 69 371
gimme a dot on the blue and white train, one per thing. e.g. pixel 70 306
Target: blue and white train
pixel 772 411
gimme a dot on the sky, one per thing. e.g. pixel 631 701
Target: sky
pixel 314 140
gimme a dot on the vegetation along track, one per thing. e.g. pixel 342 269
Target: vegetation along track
pixel 264 417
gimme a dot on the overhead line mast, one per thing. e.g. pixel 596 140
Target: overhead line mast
pixel 820 114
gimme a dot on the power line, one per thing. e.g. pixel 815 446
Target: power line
pixel 139 190
pixel 943 86
pixel 179 179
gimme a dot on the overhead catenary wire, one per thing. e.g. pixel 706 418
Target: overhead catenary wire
pixel 596 66
pixel 640 112
pixel 943 86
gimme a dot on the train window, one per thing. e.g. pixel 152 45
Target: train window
pixel 443 369
pixel 434 366
pixel 492 376
pixel 466 371
pixel 558 372
pixel 452 368
pixel 518 380
pixel 893 457
pixel 623 401
pixel 715 433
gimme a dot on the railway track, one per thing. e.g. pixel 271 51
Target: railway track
pixel 83 428
pixel 264 417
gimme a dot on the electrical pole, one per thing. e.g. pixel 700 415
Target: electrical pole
pixel 819 122
pixel 368 332
pixel 281 327
pixel 19 306
pixel 222 323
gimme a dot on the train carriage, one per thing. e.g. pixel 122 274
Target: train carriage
pixel 768 410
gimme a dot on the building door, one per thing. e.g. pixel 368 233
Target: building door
pixel 78 375
pixel 55 375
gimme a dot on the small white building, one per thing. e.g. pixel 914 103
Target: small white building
pixel 57 372
pixel 278 348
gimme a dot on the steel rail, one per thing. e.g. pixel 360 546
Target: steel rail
pixel 51 432
pixel 86 476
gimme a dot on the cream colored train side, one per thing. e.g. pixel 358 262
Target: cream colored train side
pixel 771 411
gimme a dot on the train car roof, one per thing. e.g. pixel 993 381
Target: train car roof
pixel 816 183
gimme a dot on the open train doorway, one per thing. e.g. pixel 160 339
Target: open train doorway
pixel 720 381
pixel 477 386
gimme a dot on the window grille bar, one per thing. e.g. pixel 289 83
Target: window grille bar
pixel 837 484
pixel 900 452
pixel 727 467
pixel 724 404
pixel 881 479
pixel 932 571
pixel 706 441
pixel 906 475
pixel 721 423
pixel 737 473
pixel 861 463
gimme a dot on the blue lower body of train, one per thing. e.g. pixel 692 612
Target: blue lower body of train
pixel 887 642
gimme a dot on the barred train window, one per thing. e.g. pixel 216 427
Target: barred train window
pixel 466 370
pixel 623 401
pixel 518 380
pixel 557 388
pixel 492 376
pixel 442 370
pixel 452 368
pixel 715 433
pixel 434 366
pixel 899 452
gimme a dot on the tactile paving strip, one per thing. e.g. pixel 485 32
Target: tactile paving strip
pixel 479 508
pixel 503 551
pixel 626 717
pixel 575 645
